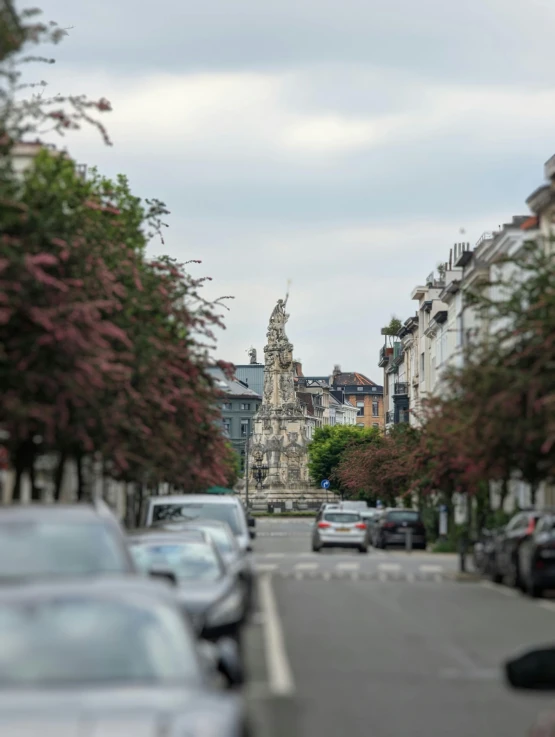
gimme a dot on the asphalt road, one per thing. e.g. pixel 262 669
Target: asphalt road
pixel 352 648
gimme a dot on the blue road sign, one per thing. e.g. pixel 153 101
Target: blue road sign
pixel 325 484
pixel 379 504
pixel 443 508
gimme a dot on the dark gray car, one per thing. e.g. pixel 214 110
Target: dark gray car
pixel 111 657
pixel 213 596
pixel 236 559
pixel 51 540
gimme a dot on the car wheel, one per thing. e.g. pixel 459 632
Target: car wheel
pixel 496 577
pixel 533 590
pixel 315 548
pixel 363 549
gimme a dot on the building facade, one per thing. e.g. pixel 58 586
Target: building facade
pixel 238 405
pixel 362 393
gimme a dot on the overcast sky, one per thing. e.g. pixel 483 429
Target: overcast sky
pixel 342 144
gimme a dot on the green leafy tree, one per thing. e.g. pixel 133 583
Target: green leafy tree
pixel 329 445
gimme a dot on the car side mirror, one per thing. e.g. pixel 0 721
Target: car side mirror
pixel 165 574
pixel 533 671
pixel 229 662
pixel 252 522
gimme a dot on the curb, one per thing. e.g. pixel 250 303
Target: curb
pixel 464 577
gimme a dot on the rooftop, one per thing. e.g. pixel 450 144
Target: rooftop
pixel 352 379
pixel 231 387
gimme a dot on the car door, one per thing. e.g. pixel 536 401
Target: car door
pixel 528 546
pixel 514 533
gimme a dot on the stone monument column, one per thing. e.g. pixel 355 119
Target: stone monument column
pixel 280 437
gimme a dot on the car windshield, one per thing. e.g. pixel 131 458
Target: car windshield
pixel 179 512
pixel 223 539
pixel 403 516
pixel 343 517
pixel 189 561
pixel 32 548
pixel 71 640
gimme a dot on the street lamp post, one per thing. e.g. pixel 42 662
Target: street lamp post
pixel 247 443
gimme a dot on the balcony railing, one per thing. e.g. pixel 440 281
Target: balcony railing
pixel 389 417
pixel 386 353
pixel 401 388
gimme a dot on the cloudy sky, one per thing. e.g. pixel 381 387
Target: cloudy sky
pixel 342 144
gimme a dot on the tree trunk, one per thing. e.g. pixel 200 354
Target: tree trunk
pixel 504 494
pixel 23 461
pixel 59 475
pixel 80 480
pixel 534 492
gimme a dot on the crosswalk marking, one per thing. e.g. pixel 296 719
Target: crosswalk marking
pixel 306 566
pixel 275 555
pixel 266 567
pixel 392 567
pixel 410 577
pixel 431 569
pixel 347 566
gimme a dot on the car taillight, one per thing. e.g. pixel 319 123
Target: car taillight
pixel 360 526
pixel 323 525
pixel 388 525
pixel 531 526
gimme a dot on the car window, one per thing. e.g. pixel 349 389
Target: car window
pixel 403 515
pixel 188 560
pixel 223 539
pixel 344 517
pixel 31 548
pixel 180 512
pixel 520 520
pixel 81 640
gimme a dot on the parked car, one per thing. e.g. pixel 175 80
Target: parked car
pixel 234 557
pixel 107 656
pixel 505 567
pixel 339 528
pixel 191 507
pixel 536 558
pixel 535 671
pixel 355 505
pixel 48 540
pixel 393 525
pixel 214 596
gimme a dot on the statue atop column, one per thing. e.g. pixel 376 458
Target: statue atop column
pixel 280 432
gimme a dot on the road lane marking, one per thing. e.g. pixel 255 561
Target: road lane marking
pixel 392 567
pixel 431 569
pixel 347 566
pixel 306 566
pixel 266 567
pixel 280 675
pixel 410 577
pixel 299 576
pixel 500 589
pixel 326 575
pixel 274 555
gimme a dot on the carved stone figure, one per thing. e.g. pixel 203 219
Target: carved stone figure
pixel 280 427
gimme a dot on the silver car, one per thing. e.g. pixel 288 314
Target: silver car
pixel 339 528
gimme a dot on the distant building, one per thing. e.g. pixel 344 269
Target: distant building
pixel 251 374
pixel 362 393
pixel 238 404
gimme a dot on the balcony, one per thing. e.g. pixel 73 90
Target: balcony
pixel 400 388
pixel 386 353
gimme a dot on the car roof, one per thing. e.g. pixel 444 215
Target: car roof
pixel 195 499
pixel 196 524
pixel 52 512
pixel 148 536
pixel 116 585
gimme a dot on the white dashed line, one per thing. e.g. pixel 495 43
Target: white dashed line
pixel 306 566
pixel 431 569
pixel 274 555
pixel 347 566
pixel 266 567
pixel 391 567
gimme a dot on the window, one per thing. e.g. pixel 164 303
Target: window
pixel 226 406
pixel 227 426
pixel 360 424
pixel 360 388
pixel 245 427
pixel 375 424
pixel 374 388
pixel 360 409
pixel 246 406
pixel 375 409
pixel 422 363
